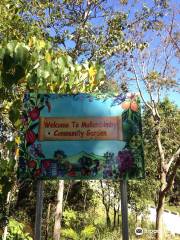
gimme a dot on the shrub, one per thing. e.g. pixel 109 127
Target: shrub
pixel 16 231
pixel 69 234
pixel 88 232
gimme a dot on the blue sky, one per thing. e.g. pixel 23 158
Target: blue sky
pixel 174 96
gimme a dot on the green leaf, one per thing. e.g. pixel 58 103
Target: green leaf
pixel 14 112
pixel 65 71
pixel 62 62
pixel 88 232
pixel 100 74
pixel 11 46
pixel 70 234
pixel 78 67
pixel 2 52
pixel 21 54
pixel 69 60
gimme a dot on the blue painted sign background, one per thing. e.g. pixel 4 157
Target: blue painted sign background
pixel 81 159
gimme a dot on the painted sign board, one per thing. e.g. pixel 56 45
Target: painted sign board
pixel 81 137
pixel 76 129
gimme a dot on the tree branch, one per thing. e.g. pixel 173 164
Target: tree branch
pixel 138 85
pixel 160 150
pixel 172 176
pixel 85 18
pixel 170 33
pixel 173 158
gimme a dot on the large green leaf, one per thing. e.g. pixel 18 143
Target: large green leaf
pixel 11 46
pixel 14 111
pixel 21 54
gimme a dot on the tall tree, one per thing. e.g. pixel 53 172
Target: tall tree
pixel 154 71
pixel 106 192
pixel 166 139
pixel 93 30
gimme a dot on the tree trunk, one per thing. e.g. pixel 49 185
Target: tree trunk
pixel 160 207
pixel 118 219
pixel 108 220
pixel 58 213
pixel 114 221
pixel 159 217
pixel 163 182
pixel 39 209
pixel 106 204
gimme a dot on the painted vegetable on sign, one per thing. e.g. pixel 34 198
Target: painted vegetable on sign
pixel 84 137
pixel 34 114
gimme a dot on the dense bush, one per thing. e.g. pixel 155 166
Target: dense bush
pixel 16 231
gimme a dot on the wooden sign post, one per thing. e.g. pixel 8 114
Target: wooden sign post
pixel 39 209
pixel 124 210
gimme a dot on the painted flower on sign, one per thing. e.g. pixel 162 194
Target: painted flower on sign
pixel 46 163
pixel 125 160
pixel 36 151
pixel 37 172
pixel 31 164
